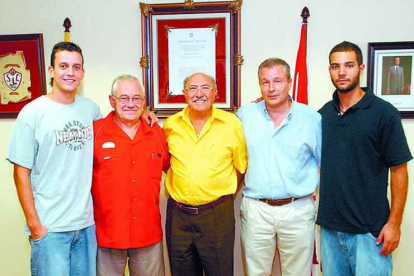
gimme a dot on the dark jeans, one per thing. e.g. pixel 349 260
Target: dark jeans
pixel 203 242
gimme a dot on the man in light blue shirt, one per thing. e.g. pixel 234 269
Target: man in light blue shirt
pixel 284 147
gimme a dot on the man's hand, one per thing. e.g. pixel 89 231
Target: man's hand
pixel 390 234
pixel 38 232
pixel 25 194
pixel 391 231
pixel 258 100
pixel 149 117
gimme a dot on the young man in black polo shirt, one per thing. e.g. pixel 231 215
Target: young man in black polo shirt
pixel 362 140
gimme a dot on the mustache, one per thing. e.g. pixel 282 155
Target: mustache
pixel 196 98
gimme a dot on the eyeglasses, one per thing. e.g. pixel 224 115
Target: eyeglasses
pixel 125 99
pixel 193 89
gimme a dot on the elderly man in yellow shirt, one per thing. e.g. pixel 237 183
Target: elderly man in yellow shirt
pixel 208 156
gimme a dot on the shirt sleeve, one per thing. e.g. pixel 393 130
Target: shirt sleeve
pixel 166 128
pixel 23 145
pixel 393 141
pixel 97 113
pixel 166 155
pixel 240 151
pixel 239 113
pixel 318 144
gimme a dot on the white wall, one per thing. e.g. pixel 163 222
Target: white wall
pixel 109 33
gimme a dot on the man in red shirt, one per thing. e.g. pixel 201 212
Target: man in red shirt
pixel 129 157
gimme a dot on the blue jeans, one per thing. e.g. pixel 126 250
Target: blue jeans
pixel 346 254
pixel 70 253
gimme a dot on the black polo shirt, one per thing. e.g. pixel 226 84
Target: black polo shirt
pixel 358 148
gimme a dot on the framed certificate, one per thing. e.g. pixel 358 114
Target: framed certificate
pixel 181 39
pixel 22 72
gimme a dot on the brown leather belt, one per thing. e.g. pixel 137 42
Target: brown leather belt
pixel 280 202
pixel 195 210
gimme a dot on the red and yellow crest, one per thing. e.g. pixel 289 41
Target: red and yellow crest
pixel 14 78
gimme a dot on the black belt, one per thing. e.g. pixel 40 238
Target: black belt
pixel 280 202
pixel 195 210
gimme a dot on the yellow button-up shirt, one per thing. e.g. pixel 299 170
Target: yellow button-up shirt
pixel 203 168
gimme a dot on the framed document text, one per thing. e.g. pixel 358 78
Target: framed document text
pixel 181 39
pixel 390 74
pixel 22 72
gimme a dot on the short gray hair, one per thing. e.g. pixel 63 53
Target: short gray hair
pixel 122 78
pixel 271 62
pixel 210 77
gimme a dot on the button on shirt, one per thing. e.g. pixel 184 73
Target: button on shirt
pixel 126 184
pixel 203 167
pixel 283 161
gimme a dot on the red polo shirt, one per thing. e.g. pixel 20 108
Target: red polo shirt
pixel 126 184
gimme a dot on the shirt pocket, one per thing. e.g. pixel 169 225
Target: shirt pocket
pixel 292 159
pixel 219 155
pixel 155 159
pixel 108 160
pixel 109 155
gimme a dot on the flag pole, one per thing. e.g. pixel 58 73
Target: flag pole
pixel 305 15
pixel 67 24
pixel 300 80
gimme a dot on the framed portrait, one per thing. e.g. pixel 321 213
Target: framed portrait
pixel 390 74
pixel 181 39
pixel 22 72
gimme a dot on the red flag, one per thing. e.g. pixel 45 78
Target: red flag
pixel 300 83
pixel 300 94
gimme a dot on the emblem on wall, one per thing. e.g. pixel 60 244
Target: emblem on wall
pixel 15 78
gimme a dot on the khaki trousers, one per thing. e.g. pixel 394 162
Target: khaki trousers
pixel 289 228
pixel 145 261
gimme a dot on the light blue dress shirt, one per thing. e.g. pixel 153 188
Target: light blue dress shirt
pixel 283 161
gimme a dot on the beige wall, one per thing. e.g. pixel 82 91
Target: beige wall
pixel 109 33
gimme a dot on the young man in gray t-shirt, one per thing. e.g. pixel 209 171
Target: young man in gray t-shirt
pixel 52 149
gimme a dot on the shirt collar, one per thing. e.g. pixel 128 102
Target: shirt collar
pixel 364 103
pixel 215 114
pixel 262 106
pixel 113 128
